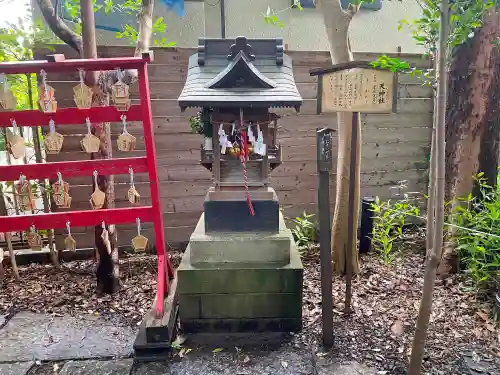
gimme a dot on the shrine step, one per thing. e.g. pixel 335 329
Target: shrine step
pixel 241 297
pixel 240 247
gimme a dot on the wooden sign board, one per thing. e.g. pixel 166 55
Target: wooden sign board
pixel 357 90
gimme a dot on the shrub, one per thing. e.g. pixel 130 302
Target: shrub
pixel 477 235
pixel 305 232
pixel 389 218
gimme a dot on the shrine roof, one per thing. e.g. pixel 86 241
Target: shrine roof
pixel 240 73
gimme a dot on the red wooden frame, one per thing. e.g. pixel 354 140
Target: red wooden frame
pixel 66 116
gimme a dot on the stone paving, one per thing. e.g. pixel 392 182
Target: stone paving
pixel 40 344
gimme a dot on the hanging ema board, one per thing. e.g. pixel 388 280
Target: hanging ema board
pixel 349 88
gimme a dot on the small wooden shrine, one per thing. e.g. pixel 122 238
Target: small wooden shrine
pixel 236 83
pixel 241 271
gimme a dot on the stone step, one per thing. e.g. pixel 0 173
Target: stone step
pixel 239 278
pixel 240 297
pixel 240 306
pixel 241 247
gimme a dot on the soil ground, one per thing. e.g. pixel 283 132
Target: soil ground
pixel 463 338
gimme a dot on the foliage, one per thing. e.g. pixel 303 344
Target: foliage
pixel 389 219
pixel 196 123
pixel 305 232
pixel 477 235
pixel 200 126
pixel 17 41
pixel 465 18
pixel 271 17
pixel 128 32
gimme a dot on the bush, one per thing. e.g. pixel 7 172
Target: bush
pixel 389 218
pixel 477 235
pixel 305 232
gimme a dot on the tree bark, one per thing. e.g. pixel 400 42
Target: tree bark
pixel 108 278
pixel 467 117
pixel 58 27
pixel 337 23
pixel 418 348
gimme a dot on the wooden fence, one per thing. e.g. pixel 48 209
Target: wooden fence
pixel 394 147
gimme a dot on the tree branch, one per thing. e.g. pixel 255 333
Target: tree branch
pixel 145 21
pixel 58 27
pixel 352 10
pixel 337 26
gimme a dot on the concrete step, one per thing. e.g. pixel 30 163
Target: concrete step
pixel 239 278
pixel 244 297
pixel 242 247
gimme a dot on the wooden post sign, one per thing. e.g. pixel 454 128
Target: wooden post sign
pixel 355 87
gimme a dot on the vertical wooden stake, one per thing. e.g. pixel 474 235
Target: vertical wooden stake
pixel 351 241
pixel 324 162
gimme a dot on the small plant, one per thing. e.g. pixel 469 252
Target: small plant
pixel 477 236
pixel 389 219
pixel 201 124
pixel 305 232
pixel 196 123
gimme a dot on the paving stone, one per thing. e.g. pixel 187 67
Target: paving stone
pixel 352 368
pixel 28 336
pixel 281 362
pixel 94 367
pixel 18 368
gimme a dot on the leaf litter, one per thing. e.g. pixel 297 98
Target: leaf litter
pixel 379 333
pixel 386 300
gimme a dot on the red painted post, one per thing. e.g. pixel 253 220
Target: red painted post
pixel 163 261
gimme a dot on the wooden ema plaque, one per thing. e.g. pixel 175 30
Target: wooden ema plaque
pixel 357 90
pixel 7 99
pixel 48 103
pixel 69 241
pixel 15 144
pixel 24 195
pixel 60 194
pixel 90 143
pixel 34 240
pixel 53 141
pixel 139 242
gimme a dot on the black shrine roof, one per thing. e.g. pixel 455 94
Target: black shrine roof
pixel 240 73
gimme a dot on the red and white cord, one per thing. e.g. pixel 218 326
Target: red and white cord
pixel 244 158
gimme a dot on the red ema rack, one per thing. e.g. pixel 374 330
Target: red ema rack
pixel 71 116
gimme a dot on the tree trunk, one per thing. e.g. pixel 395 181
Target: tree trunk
pixel 431 191
pixel 108 273
pixel 474 78
pixel 418 348
pixel 337 27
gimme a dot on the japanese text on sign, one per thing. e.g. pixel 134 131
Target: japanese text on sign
pixel 357 90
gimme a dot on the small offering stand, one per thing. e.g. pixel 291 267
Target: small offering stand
pixel 155 325
pixel 242 270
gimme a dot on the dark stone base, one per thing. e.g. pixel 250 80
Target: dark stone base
pixel 242 325
pixel 153 341
pixel 234 216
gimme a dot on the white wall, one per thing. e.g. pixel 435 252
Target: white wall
pixel 371 31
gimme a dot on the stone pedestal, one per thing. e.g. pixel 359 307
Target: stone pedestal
pixel 240 281
pixel 227 211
